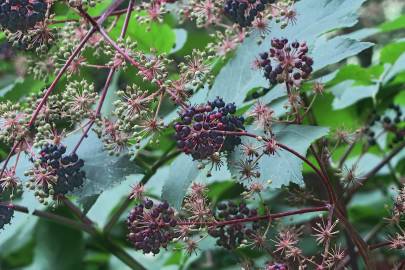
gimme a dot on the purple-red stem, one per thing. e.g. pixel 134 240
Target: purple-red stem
pixel 258 218
pixel 107 82
pixel 101 19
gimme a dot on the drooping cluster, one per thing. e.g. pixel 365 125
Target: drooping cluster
pixel 244 12
pixel 201 129
pixel 286 62
pixel 21 15
pixel 389 122
pixel 232 235
pixel 6 214
pixel 55 173
pixel 151 226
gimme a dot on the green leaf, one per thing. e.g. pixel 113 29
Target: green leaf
pixel 160 36
pixel 397 24
pixel 349 92
pixel 365 164
pixel 21 230
pixel 327 52
pixel 282 167
pixel 20 87
pixel 346 93
pixel 102 170
pixel 363 33
pixel 391 52
pixel 357 73
pixel 236 78
pixel 111 97
pixel 57 247
pixel 181 39
pixel 109 199
pixel 182 172
pixel 398 67
pixel 99 8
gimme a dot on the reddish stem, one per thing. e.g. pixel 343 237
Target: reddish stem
pixel 380 245
pixel 258 218
pixel 107 82
pixel 102 18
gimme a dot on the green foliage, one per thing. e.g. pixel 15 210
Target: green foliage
pixel 283 167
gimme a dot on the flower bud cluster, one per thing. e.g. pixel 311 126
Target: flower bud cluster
pixel 13 122
pixel 10 183
pixel 78 99
pixel 196 132
pixel 151 226
pixel 83 3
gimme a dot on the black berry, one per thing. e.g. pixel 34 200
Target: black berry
pixel 199 131
pixel 21 15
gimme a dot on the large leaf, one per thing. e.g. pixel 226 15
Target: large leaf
pixel 102 170
pixel 182 172
pixel 347 94
pixel 365 163
pixel 398 67
pixel 397 24
pixel 57 247
pixel 171 182
pixel 20 231
pixel 20 87
pixel 237 77
pixel 160 36
pixel 283 167
pixel 391 52
pixel 109 199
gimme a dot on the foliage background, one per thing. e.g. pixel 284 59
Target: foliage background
pixel 357 74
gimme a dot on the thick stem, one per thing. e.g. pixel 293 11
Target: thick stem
pixel 119 252
pixel 51 217
pixel 380 245
pixel 76 211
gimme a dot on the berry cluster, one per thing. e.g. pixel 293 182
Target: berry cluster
pixel 232 235
pixel 244 12
pixel 389 122
pixel 276 266
pixel 21 15
pixel 6 214
pixel 286 62
pixel 196 135
pixel 151 226
pixel 56 173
